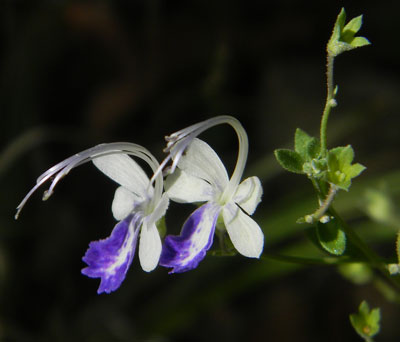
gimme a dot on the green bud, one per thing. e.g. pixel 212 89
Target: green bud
pixel 343 36
pixel 366 322
pixel 357 272
pixel 340 170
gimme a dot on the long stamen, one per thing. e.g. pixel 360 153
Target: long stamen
pixel 178 142
pixel 63 168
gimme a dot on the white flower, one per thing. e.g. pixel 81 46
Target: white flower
pixel 201 177
pixel 137 205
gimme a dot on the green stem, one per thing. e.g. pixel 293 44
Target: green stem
pixel 323 207
pixel 330 102
pixel 307 261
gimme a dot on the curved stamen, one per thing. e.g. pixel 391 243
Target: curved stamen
pixel 178 142
pixel 63 168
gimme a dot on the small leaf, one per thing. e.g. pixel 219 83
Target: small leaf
pixel 289 160
pixel 354 170
pixel 301 140
pixel 331 237
pixel 343 154
pixel 359 42
pixel 308 147
pixel 366 322
pixel 353 26
pixel 313 148
pixel 339 24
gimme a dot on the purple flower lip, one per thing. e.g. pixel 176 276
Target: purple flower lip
pixel 184 252
pixel 109 259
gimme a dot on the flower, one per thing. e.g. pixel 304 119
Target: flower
pixel 137 205
pixel 200 176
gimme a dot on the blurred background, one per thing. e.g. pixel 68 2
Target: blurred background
pixel 78 73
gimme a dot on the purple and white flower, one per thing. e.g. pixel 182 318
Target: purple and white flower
pixel 200 176
pixel 137 205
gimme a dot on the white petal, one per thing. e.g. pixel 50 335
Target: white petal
pixel 245 234
pixel 184 188
pixel 248 194
pixel 125 171
pixel 160 210
pixel 202 162
pixel 149 247
pixel 123 203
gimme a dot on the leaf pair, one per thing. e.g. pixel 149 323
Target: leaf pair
pixel 303 159
pixel 336 168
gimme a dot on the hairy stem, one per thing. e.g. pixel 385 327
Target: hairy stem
pixel 329 104
pixel 324 206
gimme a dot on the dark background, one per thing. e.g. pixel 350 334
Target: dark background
pixel 76 74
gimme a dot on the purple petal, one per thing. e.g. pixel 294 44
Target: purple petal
pixel 184 252
pixel 109 259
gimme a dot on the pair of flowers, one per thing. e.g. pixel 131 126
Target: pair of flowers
pixel 195 175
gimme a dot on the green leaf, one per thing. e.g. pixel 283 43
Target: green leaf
pixel 308 147
pixel 366 322
pixel 289 160
pixel 359 42
pixel 339 24
pixel 301 139
pixel 331 237
pixel 353 26
pixel 313 148
pixel 311 233
pixel 354 170
pixel 343 154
